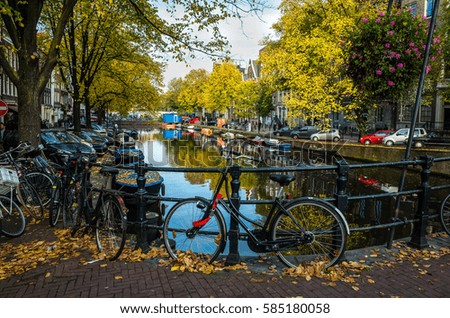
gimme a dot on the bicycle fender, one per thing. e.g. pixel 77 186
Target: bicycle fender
pixel 347 228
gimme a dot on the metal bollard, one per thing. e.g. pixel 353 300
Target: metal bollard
pixel 233 256
pixel 141 220
pixel 418 239
pixel 341 182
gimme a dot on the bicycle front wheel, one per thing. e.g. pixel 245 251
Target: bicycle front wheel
pixel 70 206
pixel 13 220
pixel 110 230
pixel 445 214
pixel 309 231
pixel 206 240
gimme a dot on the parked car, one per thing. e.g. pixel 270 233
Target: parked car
pixel 431 139
pixel 399 137
pixel 98 144
pixel 59 143
pixel 284 131
pixel 304 132
pixel 194 120
pixel 326 135
pixel 375 138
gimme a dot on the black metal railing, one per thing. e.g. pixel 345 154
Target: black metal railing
pixel 340 199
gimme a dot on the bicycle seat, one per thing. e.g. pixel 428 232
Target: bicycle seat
pixel 282 179
pixel 110 170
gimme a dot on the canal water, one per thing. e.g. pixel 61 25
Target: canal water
pixel 191 149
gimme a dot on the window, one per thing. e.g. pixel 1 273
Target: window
pixel 413 8
pixel 425 113
pixel 430 6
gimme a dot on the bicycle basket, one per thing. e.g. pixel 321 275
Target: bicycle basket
pixel 8 180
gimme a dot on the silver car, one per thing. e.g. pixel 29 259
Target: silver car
pixel 326 135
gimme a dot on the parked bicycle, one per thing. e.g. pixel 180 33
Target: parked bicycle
pixel 12 220
pixel 25 191
pixel 299 231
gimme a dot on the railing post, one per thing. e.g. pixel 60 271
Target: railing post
pixel 418 239
pixel 141 220
pixel 341 188
pixel 233 257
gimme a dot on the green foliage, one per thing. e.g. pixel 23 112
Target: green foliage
pixel 192 90
pixel 444 28
pixel 308 58
pixel 221 88
pixel 386 53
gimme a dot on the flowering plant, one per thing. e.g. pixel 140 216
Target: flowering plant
pixel 386 52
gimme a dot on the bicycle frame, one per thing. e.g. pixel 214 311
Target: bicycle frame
pixel 276 205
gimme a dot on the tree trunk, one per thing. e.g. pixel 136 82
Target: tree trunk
pixel 29 100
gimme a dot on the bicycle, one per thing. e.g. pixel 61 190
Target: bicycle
pixel 25 191
pixel 100 210
pixel 298 231
pixel 12 219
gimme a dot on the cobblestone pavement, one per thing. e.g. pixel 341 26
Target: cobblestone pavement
pixel 425 277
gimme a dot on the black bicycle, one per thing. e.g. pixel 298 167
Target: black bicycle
pixel 299 231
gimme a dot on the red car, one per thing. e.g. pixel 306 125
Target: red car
pixel 193 120
pixel 375 138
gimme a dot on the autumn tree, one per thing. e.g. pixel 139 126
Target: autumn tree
pixel 191 97
pixel 444 27
pixel 308 59
pixel 247 96
pixel 34 63
pixel 170 97
pixel 172 28
pixel 126 85
pixel 221 88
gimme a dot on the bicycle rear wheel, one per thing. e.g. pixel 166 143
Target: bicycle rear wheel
pixel 13 220
pixel 30 200
pixel 445 214
pixel 309 231
pixel 110 230
pixel 180 235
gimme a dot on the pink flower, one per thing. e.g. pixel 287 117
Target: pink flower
pixel 379 72
pixel 397 56
pixel 416 50
pixel 408 51
pixel 400 65
pixel 411 44
pixel 390 83
pixel 428 69
pixel 392 69
pixel 433 58
pixel 377 20
pixel 439 52
pixel 392 54
pixel 392 23
pixel 381 14
pixel 391 32
pixel 387 45
pixel 364 20
pixel 424 47
pixel 360 57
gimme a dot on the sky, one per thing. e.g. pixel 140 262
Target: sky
pixel 244 38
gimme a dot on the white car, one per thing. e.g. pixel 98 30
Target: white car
pixel 331 134
pixel 401 135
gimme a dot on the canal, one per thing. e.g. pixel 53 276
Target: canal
pixel 192 149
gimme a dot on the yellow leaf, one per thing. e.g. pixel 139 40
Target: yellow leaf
pixel 371 281
pixel 118 277
pixel 48 275
pixel 356 288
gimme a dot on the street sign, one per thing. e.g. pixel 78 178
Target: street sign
pixel 3 108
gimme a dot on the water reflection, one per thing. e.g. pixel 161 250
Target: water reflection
pixel 193 149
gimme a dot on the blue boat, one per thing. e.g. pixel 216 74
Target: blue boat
pixel 128 155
